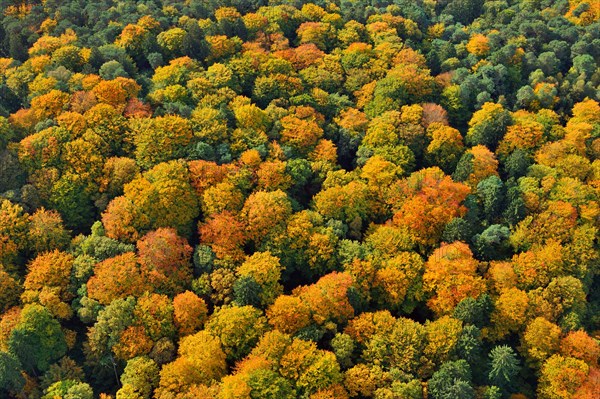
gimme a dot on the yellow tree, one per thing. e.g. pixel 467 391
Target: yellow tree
pixel 540 340
pixel 201 361
pixel 266 270
pixel 48 282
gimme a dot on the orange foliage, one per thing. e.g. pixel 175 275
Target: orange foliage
pixel 166 259
pixel 527 136
pixel 301 130
pixel 580 345
pixel 224 233
pixel 478 45
pixel 49 282
pixel 289 314
pixel 451 276
pixel 272 176
pixel 204 174
pixel 133 342
pixel 49 105
pixel 428 201
pixel 327 298
pixel 116 277
pixel 353 120
pixel 137 109
pixel 116 92
pixel 484 165
pixel 590 387
pixel 190 313
pixel 265 212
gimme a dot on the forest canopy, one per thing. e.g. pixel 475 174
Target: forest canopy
pixel 280 199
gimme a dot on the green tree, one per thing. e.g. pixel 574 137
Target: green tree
pixel 140 376
pixel 488 125
pixel 69 389
pixel 452 381
pixel 37 340
pixel 11 380
pixel 504 367
pixel 238 327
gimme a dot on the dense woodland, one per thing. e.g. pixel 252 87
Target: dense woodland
pixel 387 199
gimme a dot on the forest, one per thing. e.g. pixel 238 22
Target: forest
pixel 285 199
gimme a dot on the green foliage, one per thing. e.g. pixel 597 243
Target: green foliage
pixel 37 340
pixel 452 380
pixel 504 366
pixel 11 379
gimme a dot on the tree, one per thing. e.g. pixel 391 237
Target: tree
pixel 398 281
pixel 11 380
pixel 488 125
pixel 265 213
pixel 116 92
pixel 445 147
pixel 201 361
pixel 561 377
pixel 65 369
pixel 139 377
pixel 313 369
pixel 6 133
pixel 225 234
pixel 106 333
pixel 116 172
pixel 442 337
pixel 343 347
pixel 479 45
pixel 49 105
pixel 10 291
pixel 476 164
pixel 265 269
pixel 362 380
pixel 452 381
pixel 161 197
pixel 289 314
pixel 450 276
pixel 154 312
pixel 491 194
pixel 328 299
pixel 224 196
pixel 540 341
pixel 166 259
pixel 107 129
pixel 510 311
pixel 116 277
pixel 301 129
pixel 492 243
pixel 238 328
pixel 46 232
pixel 504 367
pixel 71 196
pixel 37 340
pixel 69 57
pixel 190 312
pixel 580 345
pixel 464 11
pixel 69 389
pixel 348 203
pixel 193 44
pixel 48 282
pixel 428 200
pixel 160 139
